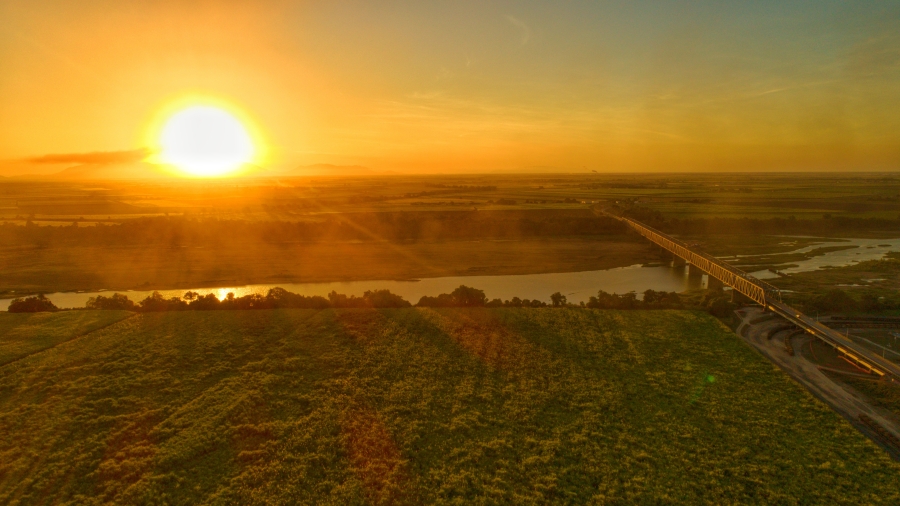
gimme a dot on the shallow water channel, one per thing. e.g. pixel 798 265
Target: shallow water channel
pixel 576 286
pixel 861 251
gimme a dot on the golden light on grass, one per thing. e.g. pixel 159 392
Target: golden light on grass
pixel 201 137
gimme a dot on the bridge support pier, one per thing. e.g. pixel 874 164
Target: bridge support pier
pixel 694 278
pixel 713 283
pixel 694 271
pixel 678 262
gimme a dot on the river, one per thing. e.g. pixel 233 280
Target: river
pixel 576 286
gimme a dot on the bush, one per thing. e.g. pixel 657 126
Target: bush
pixel 36 304
pixel 464 296
pixel 832 301
pixel 442 300
pixel 651 300
pixel 468 297
pixel 721 308
pixel 558 299
pixel 156 302
pixel 384 298
pixel 117 301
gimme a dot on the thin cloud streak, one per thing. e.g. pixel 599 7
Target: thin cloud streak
pixel 523 28
pixel 93 158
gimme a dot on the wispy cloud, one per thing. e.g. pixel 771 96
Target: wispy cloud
pixel 523 27
pixel 94 158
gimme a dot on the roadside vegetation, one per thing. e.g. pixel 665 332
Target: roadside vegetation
pixel 421 405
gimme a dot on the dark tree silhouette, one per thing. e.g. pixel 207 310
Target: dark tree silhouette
pixel 116 301
pixel 558 299
pixel 468 297
pixel 36 304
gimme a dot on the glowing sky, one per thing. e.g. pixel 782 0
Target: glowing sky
pixel 468 86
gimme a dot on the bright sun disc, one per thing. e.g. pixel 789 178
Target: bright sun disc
pixel 205 141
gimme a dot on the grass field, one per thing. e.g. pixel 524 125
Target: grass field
pixel 420 405
pixel 23 334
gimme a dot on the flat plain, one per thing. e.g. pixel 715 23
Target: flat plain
pixel 453 406
pixel 159 234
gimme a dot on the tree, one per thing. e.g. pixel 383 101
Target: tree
pixel 384 298
pixel 558 299
pixel 116 302
pixel 156 302
pixel 36 304
pixel 468 297
pixel 205 302
pixel 442 300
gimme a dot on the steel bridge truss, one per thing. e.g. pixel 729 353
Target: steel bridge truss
pixel 757 290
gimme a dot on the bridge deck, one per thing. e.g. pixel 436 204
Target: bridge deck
pixel 769 297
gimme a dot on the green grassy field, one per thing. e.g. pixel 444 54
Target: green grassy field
pixel 23 334
pixel 420 405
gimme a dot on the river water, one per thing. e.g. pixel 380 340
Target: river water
pixel 576 286
pixel 865 249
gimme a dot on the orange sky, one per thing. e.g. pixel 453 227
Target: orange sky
pixel 466 86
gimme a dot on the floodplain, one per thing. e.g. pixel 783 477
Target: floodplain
pixel 117 235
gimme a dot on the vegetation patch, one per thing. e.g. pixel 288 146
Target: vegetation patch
pixel 24 334
pixel 421 405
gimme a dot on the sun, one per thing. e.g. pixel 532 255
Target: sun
pixel 205 141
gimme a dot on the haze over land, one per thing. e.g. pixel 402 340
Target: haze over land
pixel 424 87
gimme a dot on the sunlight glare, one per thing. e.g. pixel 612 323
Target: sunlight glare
pixel 205 141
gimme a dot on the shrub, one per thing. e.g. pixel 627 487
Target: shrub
pixel 116 301
pixel 36 304
pixel 832 301
pixel 384 298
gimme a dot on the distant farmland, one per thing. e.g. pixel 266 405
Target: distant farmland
pixel 414 406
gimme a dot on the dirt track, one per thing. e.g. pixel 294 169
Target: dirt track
pixel 844 400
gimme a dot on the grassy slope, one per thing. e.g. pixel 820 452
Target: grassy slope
pixel 510 405
pixel 24 334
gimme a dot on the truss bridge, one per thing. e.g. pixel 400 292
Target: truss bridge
pixel 768 297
